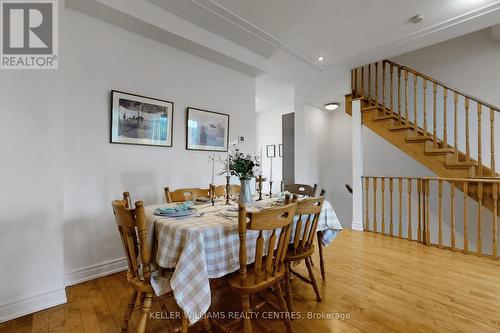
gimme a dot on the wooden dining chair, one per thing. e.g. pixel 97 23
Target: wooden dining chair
pixel 131 224
pixel 302 247
pixel 186 194
pixel 273 226
pixel 220 190
pixel 301 189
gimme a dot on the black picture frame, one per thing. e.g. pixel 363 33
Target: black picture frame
pixel 270 151
pixel 114 125
pixel 280 150
pixel 223 119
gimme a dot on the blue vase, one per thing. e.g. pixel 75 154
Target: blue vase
pixel 245 192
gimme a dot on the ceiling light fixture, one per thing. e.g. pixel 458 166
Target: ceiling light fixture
pixel 331 106
pixel 417 19
pixel 321 58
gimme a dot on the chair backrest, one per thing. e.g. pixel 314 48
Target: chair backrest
pixel 220 190
pixel 133 233
pixel 186 194
pixel 301 189
pixel 308 211
pixel 274 221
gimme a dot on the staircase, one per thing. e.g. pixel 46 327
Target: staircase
pixel 449 132
pixel 427 119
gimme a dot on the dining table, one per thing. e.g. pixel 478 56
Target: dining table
pixel 205 245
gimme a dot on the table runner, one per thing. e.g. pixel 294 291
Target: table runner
pixel 205 247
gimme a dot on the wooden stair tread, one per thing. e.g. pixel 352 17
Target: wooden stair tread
pixel 418 138
pixel 385 117
pixel 460 164
pixel 439 151
pixel 369 108
pixel 401 127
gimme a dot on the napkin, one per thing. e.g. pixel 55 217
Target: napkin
pixel 176 209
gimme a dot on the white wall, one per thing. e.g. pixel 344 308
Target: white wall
pixel 468 63
pixel 269 132
pixel 323 141
pixel 59 171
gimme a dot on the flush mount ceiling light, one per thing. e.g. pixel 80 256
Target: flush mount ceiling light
pixel 331 106
pixel 321 58
pixel 417 19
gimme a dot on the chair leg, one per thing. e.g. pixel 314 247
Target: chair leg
pixel 184 323
pixel 288 287
pixel 313 280
pixel 321 262
pixel 281 300
pixel 207 326
pixel 129 310
pixel 247 324
pixel 146 307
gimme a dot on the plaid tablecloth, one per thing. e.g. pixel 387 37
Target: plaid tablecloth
pixel 205 247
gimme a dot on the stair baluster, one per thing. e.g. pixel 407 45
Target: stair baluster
pixel 383 88
pixel 479 140
pixel 434 115
pixel 466 196
pixel 494 218
pixel 375 204
pixel 492 144
pixel 452 208
pixel 409 210
pixel 424 84
pixel 363 81
pixel 445 118
pixel 367 188
pixel 391 188
pixel 369 84
pixel 382 187
pixel 455 122
pixel 376 85
pixel 400 210
pixel 467 143
pixel 479 219
pixel 415 105
pixel 407 115
pixel 440 213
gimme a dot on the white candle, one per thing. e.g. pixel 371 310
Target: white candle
pixel 213 169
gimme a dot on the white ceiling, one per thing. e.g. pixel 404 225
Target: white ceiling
pixel 336 29
pixel 279 41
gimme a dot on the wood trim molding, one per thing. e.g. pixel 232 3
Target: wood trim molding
pixel 32 304
pixel 95 271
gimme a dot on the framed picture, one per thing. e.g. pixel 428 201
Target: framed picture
pixel 280 150
pixel 140 120
pixel 271 151
pixel 207 130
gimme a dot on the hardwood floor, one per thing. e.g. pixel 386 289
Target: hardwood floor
pixel 383 284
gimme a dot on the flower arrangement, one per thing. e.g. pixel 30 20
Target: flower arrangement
pixel 243 166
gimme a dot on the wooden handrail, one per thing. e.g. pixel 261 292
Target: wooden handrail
pixel 428 78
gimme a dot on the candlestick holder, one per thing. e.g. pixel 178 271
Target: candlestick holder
pixel 270 188
pixel 228 189
pixel 259 188
pixel 212 194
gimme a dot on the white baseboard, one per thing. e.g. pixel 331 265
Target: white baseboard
pixel 32 304
pixel 95 271
pixel 357 226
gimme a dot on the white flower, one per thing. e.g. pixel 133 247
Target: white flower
pixel 256 170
